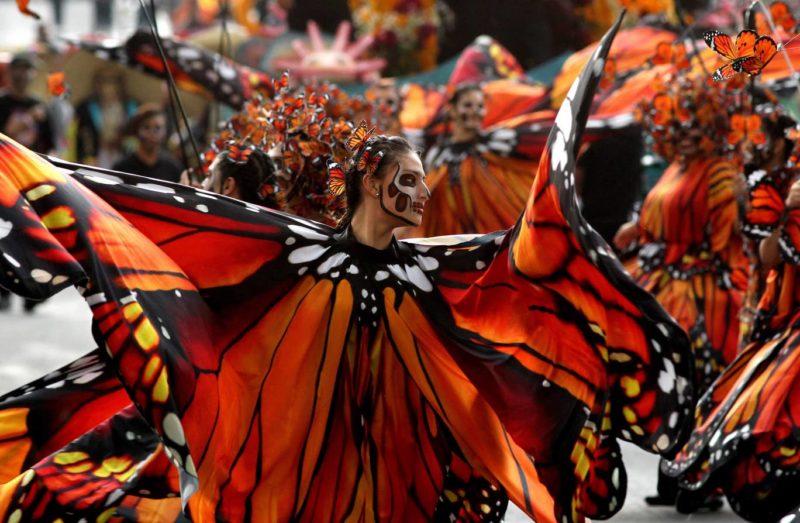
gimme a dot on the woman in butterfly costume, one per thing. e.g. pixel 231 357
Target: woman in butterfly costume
pixel 747 436
pixel 691 255
pixel 291 371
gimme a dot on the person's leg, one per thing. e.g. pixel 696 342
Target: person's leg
pixel 667 489
pixel 5 299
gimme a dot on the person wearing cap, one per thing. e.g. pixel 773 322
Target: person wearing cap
pixel 22 116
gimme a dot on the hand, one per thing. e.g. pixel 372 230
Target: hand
pixel 793 200
pixel 626 235
pixel 188 179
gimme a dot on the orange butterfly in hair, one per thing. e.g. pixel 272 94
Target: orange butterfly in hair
pixel 369 161
pixel 359 137
pixel 748 53
pixel 671 53
pixel 781 16
pixel 238 153
pixel 667 110
pixel 746 127
pixel 336 179
pixel 281 83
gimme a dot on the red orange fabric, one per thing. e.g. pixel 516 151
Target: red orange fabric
pixel 692 258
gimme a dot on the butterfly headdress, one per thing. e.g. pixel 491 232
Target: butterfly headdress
pixel 306 127
pixel 363 158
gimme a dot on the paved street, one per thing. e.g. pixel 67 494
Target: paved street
pixel 58 332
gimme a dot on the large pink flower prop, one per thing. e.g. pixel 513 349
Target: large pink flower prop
pixel 343 61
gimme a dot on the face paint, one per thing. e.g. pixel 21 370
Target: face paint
pixel 403 200
pixel 470 110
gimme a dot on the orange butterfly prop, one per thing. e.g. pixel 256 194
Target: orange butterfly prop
pixel 749 53
pixel 336 179
pixel 746 127
pixel 781 16
pixel 56 84
pixel 239 153
pixel 671 53
pixel 667 109
pixel 369 161
pixel 359 137
pixel 22 5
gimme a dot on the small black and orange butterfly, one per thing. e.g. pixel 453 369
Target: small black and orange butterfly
pixel 746 128
pixel 749 53
pixel 369 161
pixel 672 54
pixel 336 179
pixel 281 83
pixel 238 153
pixel 668 110
pixel 359 137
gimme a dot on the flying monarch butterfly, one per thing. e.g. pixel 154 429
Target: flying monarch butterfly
pixel 671 53
pixel 781 16
pixel 359 137
pixel 746 128
pixel 763 52
pixel 336 179
pixel 749 52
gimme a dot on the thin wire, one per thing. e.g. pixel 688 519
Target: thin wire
pixel 170 80
pixel 771 23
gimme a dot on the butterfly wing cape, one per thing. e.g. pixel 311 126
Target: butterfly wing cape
pixel 193 68
pixel 270 355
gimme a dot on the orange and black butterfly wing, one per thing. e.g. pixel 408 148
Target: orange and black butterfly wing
pixel 128 235
pixel 616 332
pixel 765 205
pixel 43 416
pixel 358 138
pixel 336 183
pixel 721 43
pixel 746 430
pixel 94 471
pixel 193 68
pixel 725 72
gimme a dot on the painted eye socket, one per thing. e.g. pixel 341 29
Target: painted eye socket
pixel 408 180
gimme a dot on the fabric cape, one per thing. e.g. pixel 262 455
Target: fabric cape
pixel 265 366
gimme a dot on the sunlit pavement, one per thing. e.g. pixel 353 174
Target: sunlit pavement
pixel 58 332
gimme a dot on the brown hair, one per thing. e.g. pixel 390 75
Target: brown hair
pixel 390 147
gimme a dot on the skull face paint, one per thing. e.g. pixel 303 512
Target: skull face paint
pixel 404 194
pixel 468 113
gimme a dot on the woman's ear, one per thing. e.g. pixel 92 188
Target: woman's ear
pixel 230 188
pixel 370 186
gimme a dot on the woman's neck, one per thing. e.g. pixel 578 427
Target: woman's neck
pixel 370 230
pixel 460 135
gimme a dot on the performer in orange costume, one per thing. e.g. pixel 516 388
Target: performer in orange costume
pixel 292 371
